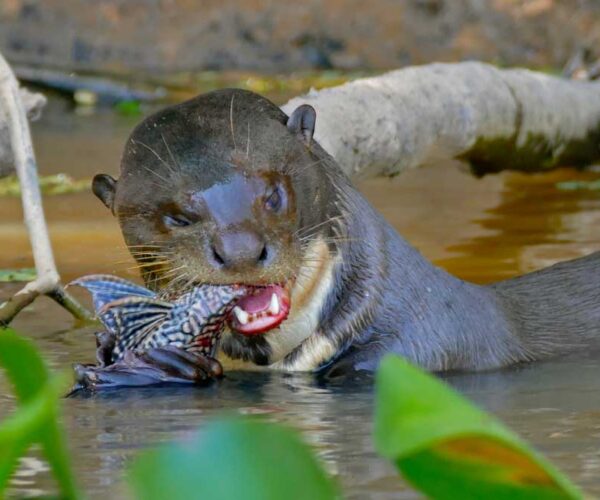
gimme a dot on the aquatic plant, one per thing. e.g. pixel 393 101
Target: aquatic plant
pixel 12 275
pixel 448 448
pixel 232 459
pixel 49 184
pixel 36 420
pixel 442 444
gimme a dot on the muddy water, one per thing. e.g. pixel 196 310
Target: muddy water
pixel 481 230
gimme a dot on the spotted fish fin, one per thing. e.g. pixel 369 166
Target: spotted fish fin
pixel 106 288
pixel 132 317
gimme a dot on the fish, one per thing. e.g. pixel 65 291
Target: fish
pixel 141 319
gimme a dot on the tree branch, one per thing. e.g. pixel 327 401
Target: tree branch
pixel 48 280
pixel 492 118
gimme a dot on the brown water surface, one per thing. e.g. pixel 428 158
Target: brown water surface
pixel 479 229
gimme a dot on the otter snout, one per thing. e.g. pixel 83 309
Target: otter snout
pixel 239 251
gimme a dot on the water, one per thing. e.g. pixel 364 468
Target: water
pixel 481 230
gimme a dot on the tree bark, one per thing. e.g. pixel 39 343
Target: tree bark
pixel 492 118
pixel 48 280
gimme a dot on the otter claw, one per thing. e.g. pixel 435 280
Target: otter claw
pixel 155 366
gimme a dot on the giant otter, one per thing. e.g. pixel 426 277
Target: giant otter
pixel 226 188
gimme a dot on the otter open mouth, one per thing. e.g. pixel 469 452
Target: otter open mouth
pixel 263 309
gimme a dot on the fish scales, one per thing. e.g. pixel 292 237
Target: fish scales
pixel 141 319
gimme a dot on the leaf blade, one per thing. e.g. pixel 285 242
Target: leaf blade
pixel 230 459
pixel 36 420
pixel 23 365
pixel 444 445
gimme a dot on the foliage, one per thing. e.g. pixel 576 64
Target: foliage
pixel 448 448
pixel 49 184
pixel 11 275
pixel 36 419
pixel 233 459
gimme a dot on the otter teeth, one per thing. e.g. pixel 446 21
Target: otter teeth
pixel 242 316
pixel 274 307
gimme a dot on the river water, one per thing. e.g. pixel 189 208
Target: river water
pixel 479 229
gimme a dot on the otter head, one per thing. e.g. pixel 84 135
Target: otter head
pixel 222 189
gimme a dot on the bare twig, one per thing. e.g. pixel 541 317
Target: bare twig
pixel 48 280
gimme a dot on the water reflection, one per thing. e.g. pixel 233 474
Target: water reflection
pixel 534 225
pixel 335 420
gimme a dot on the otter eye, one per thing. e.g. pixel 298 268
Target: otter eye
pixel 275 200
pixel 178 220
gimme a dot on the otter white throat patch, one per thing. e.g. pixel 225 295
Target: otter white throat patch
pixel 309 293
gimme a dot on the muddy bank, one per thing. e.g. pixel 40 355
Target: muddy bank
pixel 136 37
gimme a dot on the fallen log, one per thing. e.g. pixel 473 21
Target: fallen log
pixel 494 119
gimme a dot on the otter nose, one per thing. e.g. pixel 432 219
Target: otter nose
pixel 239 250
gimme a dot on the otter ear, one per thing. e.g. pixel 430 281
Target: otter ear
pixel 302 122
pixel 104 187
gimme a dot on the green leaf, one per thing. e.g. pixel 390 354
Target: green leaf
pixel 21 429
pixel 11 275
pixel 448 448
pixel 24 366
pixel 36 420
pixel 230 460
